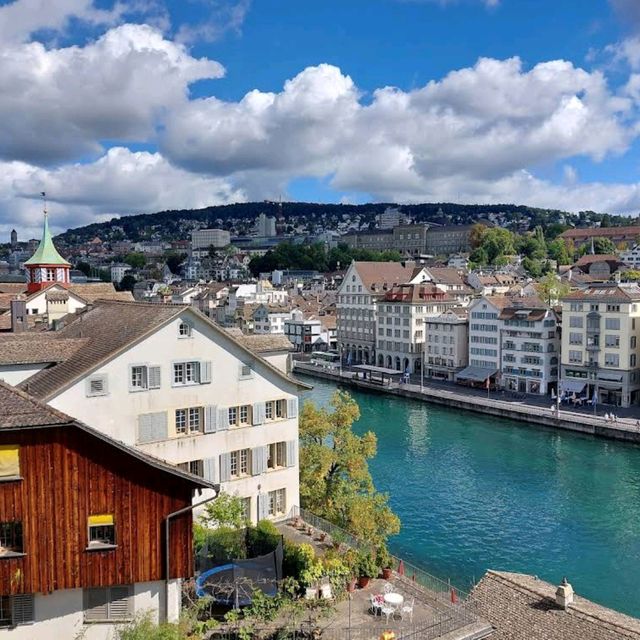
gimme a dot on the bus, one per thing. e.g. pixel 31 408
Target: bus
pixel 326 359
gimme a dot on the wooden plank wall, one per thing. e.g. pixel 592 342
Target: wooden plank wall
pixel 68 475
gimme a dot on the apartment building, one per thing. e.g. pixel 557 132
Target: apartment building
pixel 82 527
pixel 600 326
pixel 363 285
pixel 165 379
pixel 401 316
pixel 530 347
pixel 617 235
pixel 513 342
pixel 270 319
pixel 442 241
pixel 447 344
pixel 205 238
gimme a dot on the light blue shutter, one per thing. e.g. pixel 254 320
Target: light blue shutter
pixel 225 467
pixel 292 407
pixel 205 372
pixel 210 469
pixel 153 375
pixel 263 506
pixel 223 419
pixel 210 418
pixel 292 447
pixel 258 413
pixel 152 426
pixel 256 461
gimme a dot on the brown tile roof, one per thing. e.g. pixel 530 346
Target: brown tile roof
pixel 378 276
pixel 446 275
pixel 100 291
pixel 13 287
pixel 20 410
pixel 599 232
pixel 263 343
pixel 522 607
pixel 417 294
pixel 18 348
pixel 611 292
pixel 589 259
pixel 110 327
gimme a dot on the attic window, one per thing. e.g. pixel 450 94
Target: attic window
pixel 184 330
pixel 245 371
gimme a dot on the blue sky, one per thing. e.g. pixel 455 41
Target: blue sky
pixel 138 106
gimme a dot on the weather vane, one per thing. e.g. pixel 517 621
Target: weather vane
pixel 44 202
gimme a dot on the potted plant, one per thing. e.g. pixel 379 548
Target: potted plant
pixel 323 536
pixel 383 558
pixel 338 538
pixel 367 568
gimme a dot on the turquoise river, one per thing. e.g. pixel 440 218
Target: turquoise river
pixel 476 492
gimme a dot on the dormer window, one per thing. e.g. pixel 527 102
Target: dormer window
pixel 50 275
pixel 184 330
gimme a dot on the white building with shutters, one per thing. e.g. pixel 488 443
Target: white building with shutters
pixel 167 380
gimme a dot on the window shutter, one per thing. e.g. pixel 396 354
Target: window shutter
pixel 258 413
pixel 210 418
pixel 153 374
pixel 95 605
pixel 225 467
pixel 256 461
pixel 22 608
pixel 152 426
pixel 205 372
pixel 9 460
pixel 291 453
pixel 120 603
pixel 292 407
pixel 210 470
pixel 263 506
pixel 223 419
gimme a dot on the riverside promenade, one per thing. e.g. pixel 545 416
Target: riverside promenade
pixel 530 409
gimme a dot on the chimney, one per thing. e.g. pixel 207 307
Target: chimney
pixel 18 315
pixel 564 594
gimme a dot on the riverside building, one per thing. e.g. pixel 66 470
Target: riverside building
pixel 447 348
pixel 600 356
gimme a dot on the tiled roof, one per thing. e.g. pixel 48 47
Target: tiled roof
pixel 599 232
pixel 20 410
pixel 99 291
pixel 446 275
pixel 263 343
pixel 381 275
pixel 13 287
pixel 521 607
pixel 589 259
pixel 417 294
pixel 609 291
pixel 20 348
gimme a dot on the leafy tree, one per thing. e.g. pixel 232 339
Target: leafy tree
pixel 475 236
pixel 85 267
pixel 479 257
pixel 551 289
pixel 497 242
pixel 225 511
pixel 559 251
pixel 135 260
pixel 533 267
pixel 632 275
pixel 335 481
pixel 127 283
pixel 603 246
pixel 174 260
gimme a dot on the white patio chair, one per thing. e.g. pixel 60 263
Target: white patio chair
pixel 408 609
pixel 388 587
pixel 374 606
pixel 387 610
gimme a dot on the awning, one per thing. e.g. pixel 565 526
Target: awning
pixel 573 386
pixel 610 385
pixel 609 377
pixel 476 374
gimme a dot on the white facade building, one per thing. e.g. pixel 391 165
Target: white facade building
pixel 205 238
pixel 447 348
pixel 268 319
pixel 118 271
pixel 165 379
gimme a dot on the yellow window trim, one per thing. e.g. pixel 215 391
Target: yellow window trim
pixel 100 520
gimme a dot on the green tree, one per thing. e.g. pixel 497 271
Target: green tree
pixel 136 260
pixel 85 267
pixel 497 242
pixel 335 481
pixel 632 275
pixel 475 236
pixel 551 289
pixel 127 283
pixel 174 260
pixel 603 246
pixel 225 511
pixel 559 251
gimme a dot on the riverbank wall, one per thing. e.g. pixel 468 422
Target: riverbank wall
pixel 454 399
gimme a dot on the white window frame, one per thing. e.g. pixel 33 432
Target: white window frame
pixel 144 377
pixel 181 421
pixel 185 330
pixel 185 373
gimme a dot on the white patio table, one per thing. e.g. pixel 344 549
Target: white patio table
pixel 394 599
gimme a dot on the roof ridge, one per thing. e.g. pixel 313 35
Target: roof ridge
pixel 35 401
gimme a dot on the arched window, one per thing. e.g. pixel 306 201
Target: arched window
pixel 184 330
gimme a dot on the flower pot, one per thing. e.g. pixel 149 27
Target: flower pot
pixel 351 585
pixel 323 536
pixel 386 573
pixel 363 581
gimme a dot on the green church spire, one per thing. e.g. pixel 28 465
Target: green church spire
pixel 46 253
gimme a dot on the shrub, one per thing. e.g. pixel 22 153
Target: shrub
pixel 263 538
pixel 142 628
pixel 225 511
pixel 367 565
pixel 223 543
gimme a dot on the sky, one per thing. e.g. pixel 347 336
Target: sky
pixel 117 107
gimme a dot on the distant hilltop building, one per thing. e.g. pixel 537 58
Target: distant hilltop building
pixel 205 238
pixel 617 235
pixel 265 226
pixel 14 238
pixel 390 218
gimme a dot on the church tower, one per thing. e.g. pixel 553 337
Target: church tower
pixel 46 266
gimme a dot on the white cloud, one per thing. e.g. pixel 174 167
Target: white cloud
pixel 223 16
pixel 59 104
pixel 482 125
pixel 121 182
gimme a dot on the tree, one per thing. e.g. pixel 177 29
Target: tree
pixel 497 242
pixel 559 251
pixel 551 289
pixel 603 246
pixel 127 283
pixel 174 260
pixel 475 236
pixel 335 481
pixel 85 267
pixel 632 275
pixel 135 260
pixel 225 511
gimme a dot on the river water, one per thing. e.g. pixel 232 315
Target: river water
pixel 476 492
